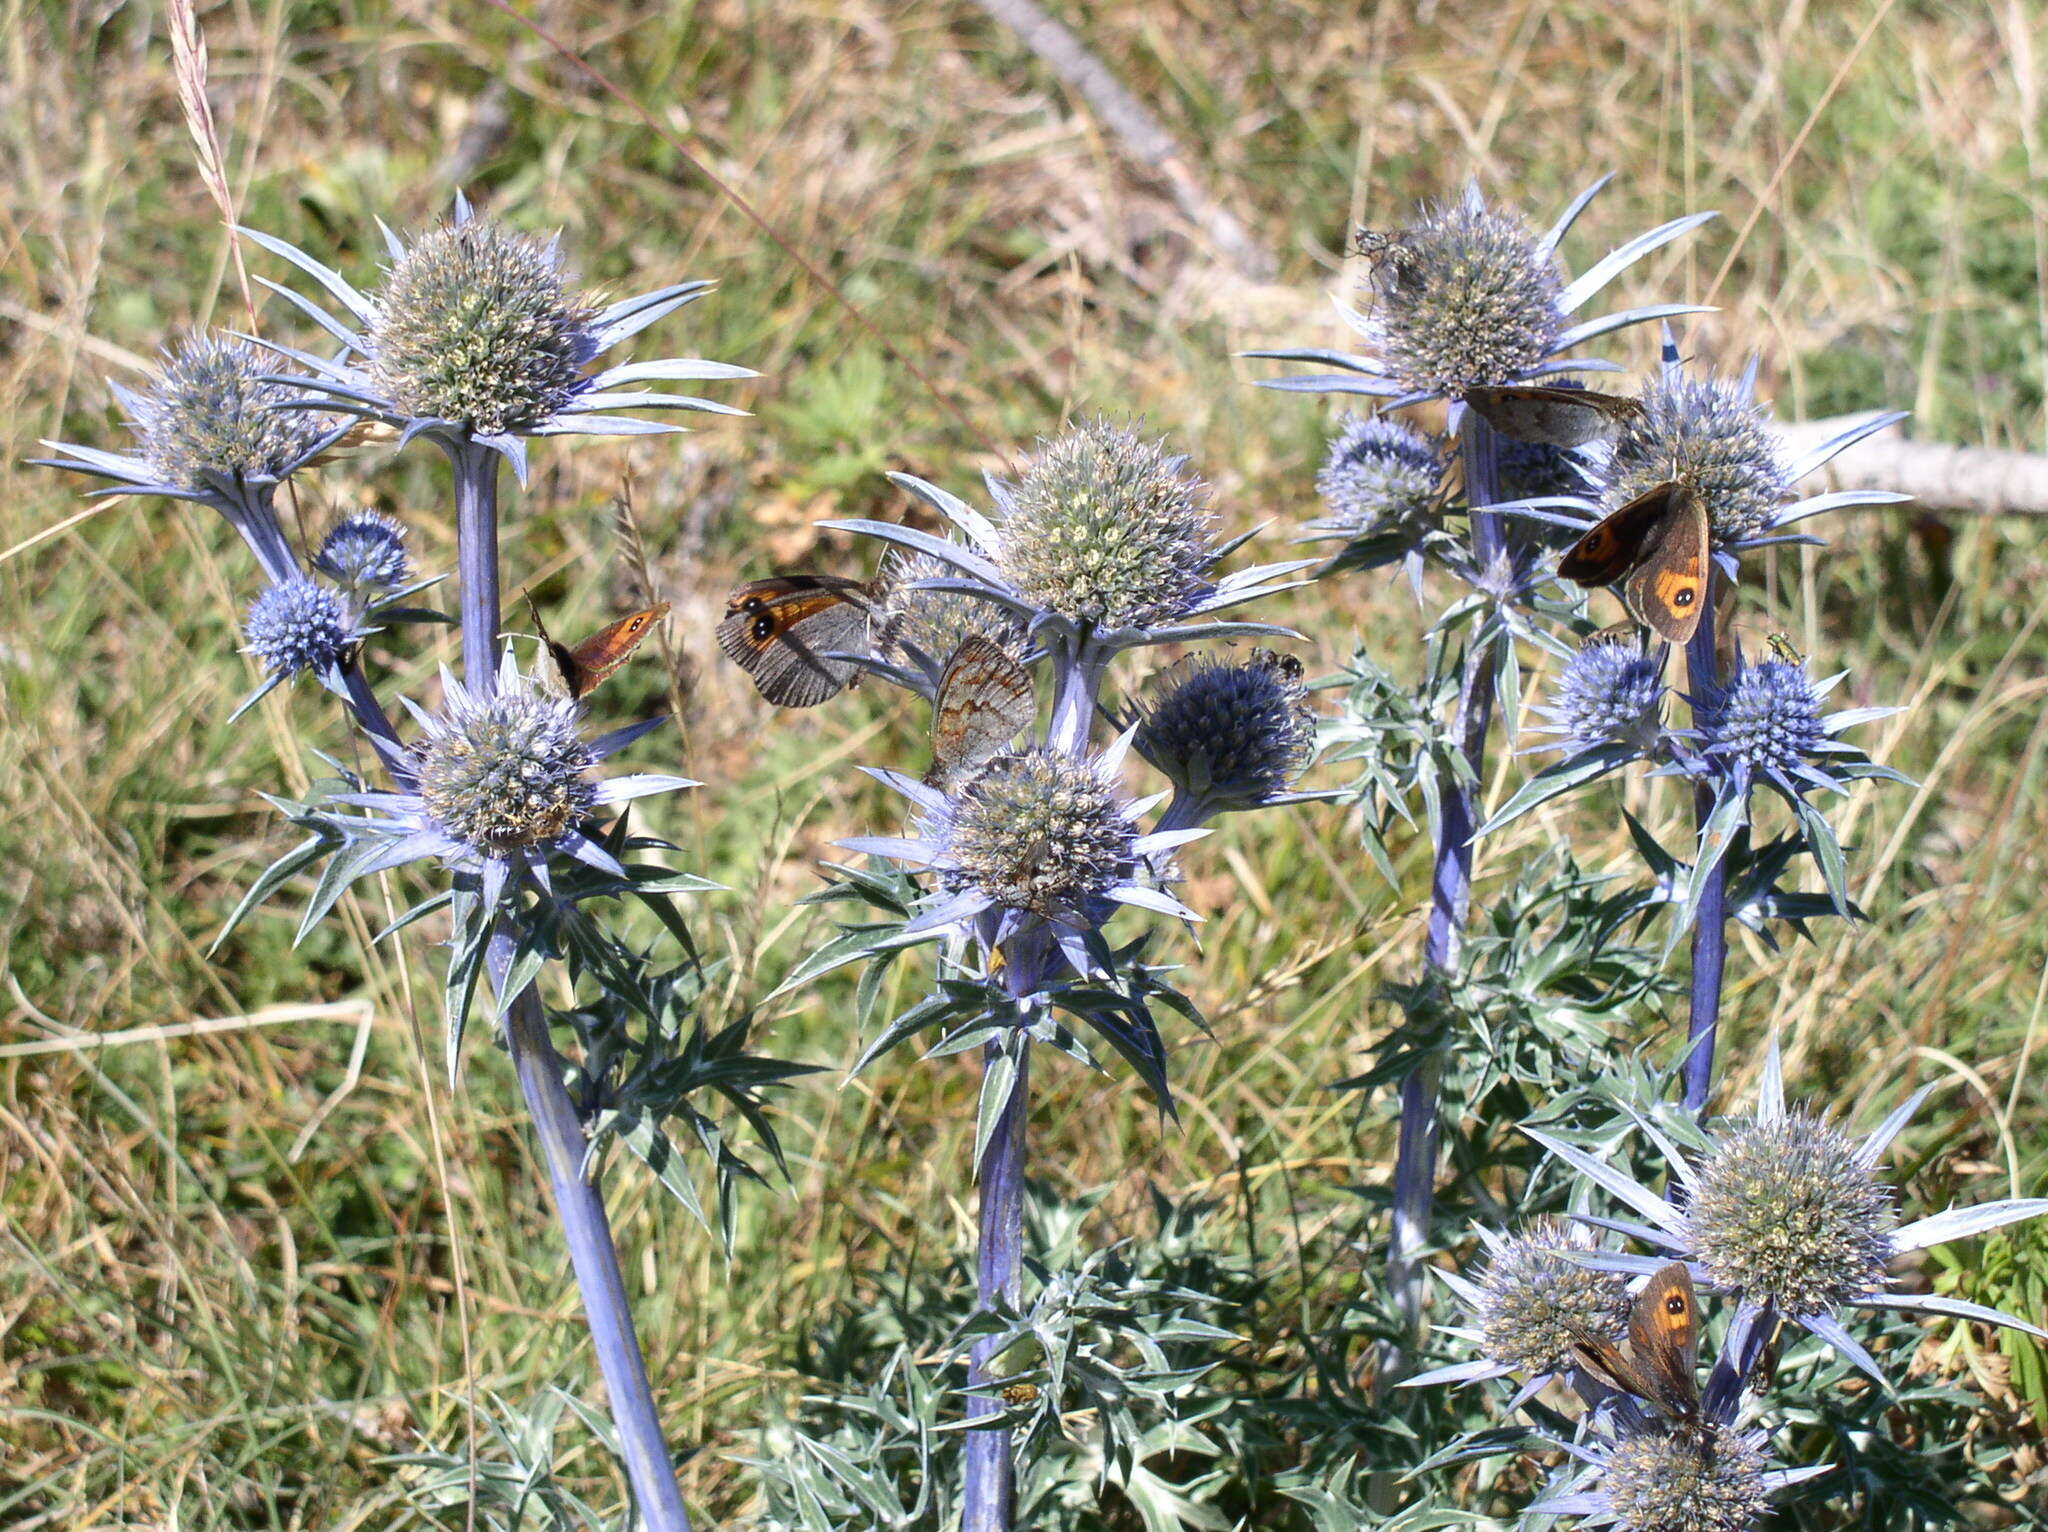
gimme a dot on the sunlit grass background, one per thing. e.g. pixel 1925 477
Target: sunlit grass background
pixel 237 1271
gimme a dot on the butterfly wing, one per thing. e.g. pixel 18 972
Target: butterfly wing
pixel 1664 1341
pixel 1556 417
pixel 594 661
pixel 984 702
pixel 1617 544
pixel 1669 587
pixel 781 630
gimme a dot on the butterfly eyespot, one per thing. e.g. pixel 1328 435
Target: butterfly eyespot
pixel 763 628
pixel 1684 598
pixel 1675 1306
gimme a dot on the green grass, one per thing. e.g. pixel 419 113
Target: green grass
pixel 205 1323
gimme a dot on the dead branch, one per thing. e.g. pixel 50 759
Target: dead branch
pixel 1143 137
pixel 1986 480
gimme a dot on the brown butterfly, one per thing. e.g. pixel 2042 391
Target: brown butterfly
pixel 577 671
pixel 780 631
pixel 1663 1347
pixel 1021 1394
pixel 1555 417
pixel 984 701
pixel 1660 541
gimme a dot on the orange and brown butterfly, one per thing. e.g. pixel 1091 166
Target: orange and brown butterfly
pixel 1658 1366
pixel 578 669
pixel 1554 417
pixel 784 630
pixel 1660 542
pixel 1021 1394
pixel 983 702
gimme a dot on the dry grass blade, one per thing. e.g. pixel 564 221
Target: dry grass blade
pixel 188 65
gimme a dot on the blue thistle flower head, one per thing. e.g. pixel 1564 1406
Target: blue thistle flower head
pixel 477 336
pixel 365 550
pixel 1230 734
pixel 924 625
pixel 477 324
pixel 501 780
pixel 299 626
pixel 1711 1478
pixel 1380 475
pixel 1609 693
pixel 1712 435
pixel 1466 295
pixel 1537 470
pixel 1768 718
pixel 211 415
pixel 1789 1212
pixel 1035 837
pixel 1471 295
pixel 1535 1301
pixel 1037 831
pixel 213 427
pixel 1106 528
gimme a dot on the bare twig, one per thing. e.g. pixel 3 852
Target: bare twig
pixel 1984 480
pixel 1143 136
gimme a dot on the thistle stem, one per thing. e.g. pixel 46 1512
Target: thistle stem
pixel 1450 893
pixel 557 1121
pixel 1710 921
pixel 363 703
pixel 587 1231
pixel 991 1469
pixel 476 554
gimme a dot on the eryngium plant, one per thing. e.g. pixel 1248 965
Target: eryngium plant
pixel 1466 295
pixel 476 341
pixel 1762 726
pixel 1104 543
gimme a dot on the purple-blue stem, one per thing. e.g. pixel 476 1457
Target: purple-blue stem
pixel 1710 919
pixel 476 543
pixel 991 1489
pixel 1450 899
pixel 363 703
pixel 556 1121
pixel 991 1480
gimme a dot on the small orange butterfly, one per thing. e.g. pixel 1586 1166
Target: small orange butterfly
pixel 577 670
